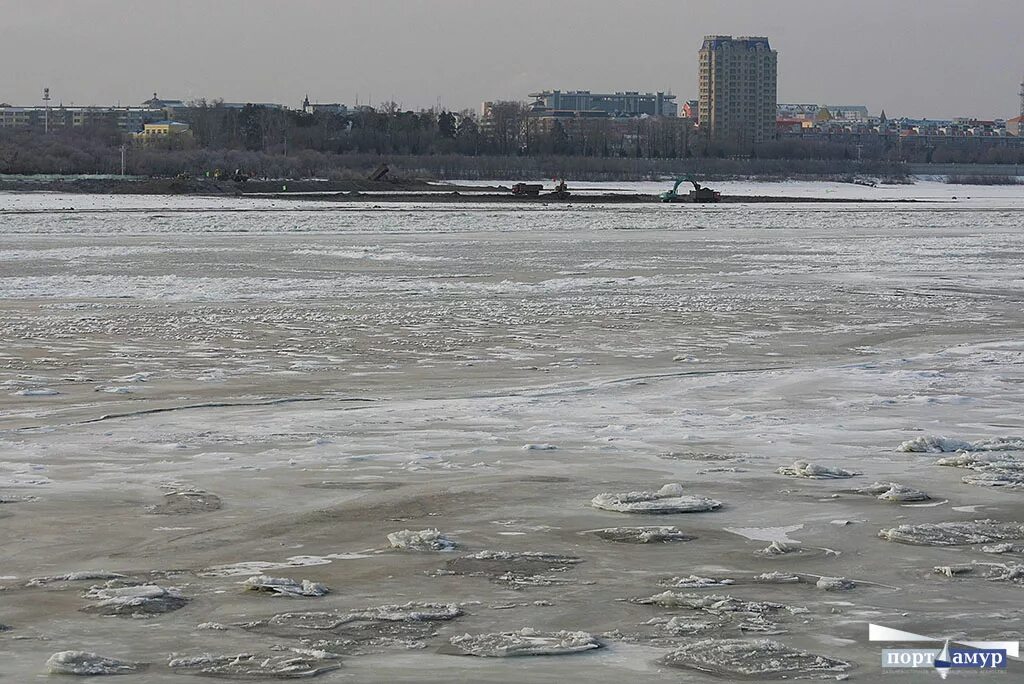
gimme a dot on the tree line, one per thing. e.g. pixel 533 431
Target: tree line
pixel 272 142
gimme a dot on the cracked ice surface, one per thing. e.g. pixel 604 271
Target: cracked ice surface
pixel 307 379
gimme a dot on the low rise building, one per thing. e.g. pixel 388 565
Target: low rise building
pixel 587 104
pixel 162 131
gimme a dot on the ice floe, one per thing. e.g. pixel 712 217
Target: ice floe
pixel 933 444
pixel 86 664
pixel 36 392
pixel 696 582
pixel 282 586
pixel 78 576
pixel 894 492
pixel 756 659
pixel 815 471
pixel 516 569
pixel 714 603
pixel 835 583
pixel 251 567
pixel 539 447
pixel 958 533
pixel 358 631
pixel 781 548
pixel 525 642
pixel 994 572
pixel 719 612
pixel 296 663
pixel 421 540
pixel 141 600
pixel 669 499
pixel 643 535
pixel 987 470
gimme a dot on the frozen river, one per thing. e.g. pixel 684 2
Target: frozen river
pixel 195 391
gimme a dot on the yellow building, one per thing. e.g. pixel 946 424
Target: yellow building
pixel 162 131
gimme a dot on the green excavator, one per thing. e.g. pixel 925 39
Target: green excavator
pixel 698 194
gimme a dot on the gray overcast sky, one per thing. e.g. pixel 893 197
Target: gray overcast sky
pixel 938 58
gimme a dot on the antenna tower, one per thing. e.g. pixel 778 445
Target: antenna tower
pixel 46 114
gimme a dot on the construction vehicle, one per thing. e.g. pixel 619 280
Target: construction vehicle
pixel 699 194
pixel 561 191
pixel 527 189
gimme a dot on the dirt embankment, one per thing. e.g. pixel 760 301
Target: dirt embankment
pixel 206 186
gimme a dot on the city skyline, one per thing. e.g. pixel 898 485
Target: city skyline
pixel 369 54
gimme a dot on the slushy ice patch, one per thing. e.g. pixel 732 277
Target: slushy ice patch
pixel 642 535
pixel 86 664
pixel 954 533
pixel 422 540
pixel 668 499
pixel 283 586
pixel 525 642
pixel 758 659
pixel 186 502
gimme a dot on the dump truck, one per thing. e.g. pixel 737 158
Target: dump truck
pixel 527 189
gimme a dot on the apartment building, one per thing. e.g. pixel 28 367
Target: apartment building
pixel 738 89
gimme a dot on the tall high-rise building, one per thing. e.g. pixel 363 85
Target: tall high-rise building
pixel 1022 97
pixel 738 88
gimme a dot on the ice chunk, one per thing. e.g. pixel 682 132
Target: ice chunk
pixel 297 663
pixel 777 578
pixel 952 570
pixel 668 499
pixel 815 471
pixel 1005 471
pixel 938 444
pixel 422 540
pixel 525 642
pixel 958 533
pixel 1005 547
pixel 133 601
pixel 996 477
pixel 758 659
pixel 696 582
pixel 933 444
pixel 893 491
pixel 539 447
pixel 282 586
pixel 643 535
pixel 780 548
pixel 37 392
pixel 517 569
pixel 213 626
pixel 363 630
pixel 713 603
pixel 834 583
pixel 186 502
pixel 74 577
pixel 89 664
